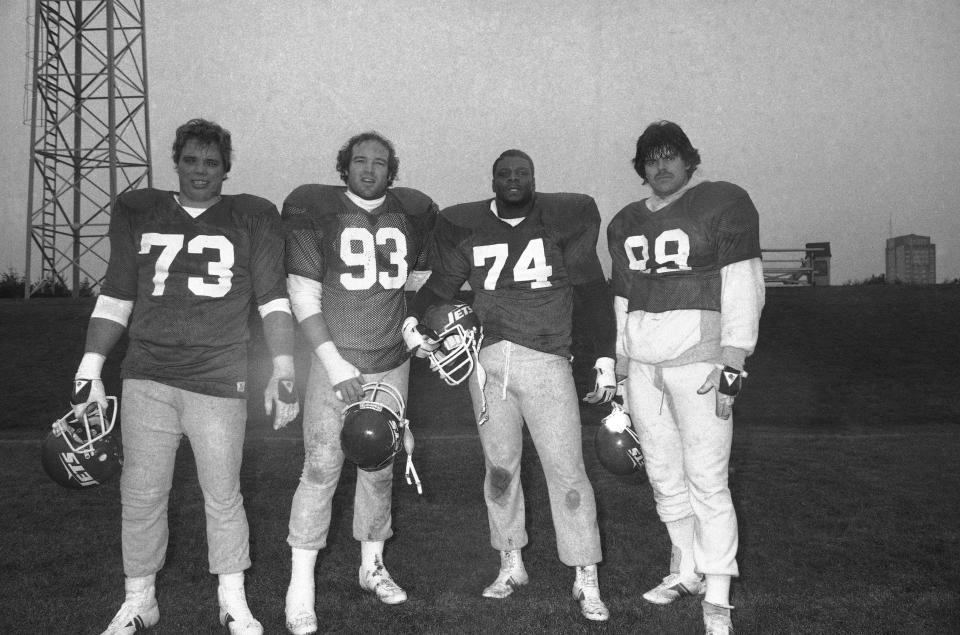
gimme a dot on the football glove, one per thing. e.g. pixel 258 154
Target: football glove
pixel 86 392
pixel 421 340
pixel 606 383
pixel 281 399
pixel 727 381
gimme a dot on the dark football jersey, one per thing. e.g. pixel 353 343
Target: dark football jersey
pixel 193 282
pixel 521 276
pixel 671 259
pixel 362 259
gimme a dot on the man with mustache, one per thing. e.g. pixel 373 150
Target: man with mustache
pixel 688 292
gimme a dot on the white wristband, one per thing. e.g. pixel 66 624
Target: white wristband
pixel 90 366
pixel 338 369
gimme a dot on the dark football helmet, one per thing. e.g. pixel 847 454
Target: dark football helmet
pixel 82 453
pixel 617 445
pixel 372 431
pixel 460 335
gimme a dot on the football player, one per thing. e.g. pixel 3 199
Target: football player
pixel 349 252
pixel 185 268
pixel 526 254
pixel 688 292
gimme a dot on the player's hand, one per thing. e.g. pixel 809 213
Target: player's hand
pixel 281 399
pixel 606 384
pixel 349 390
pixel 727 381
pixel 86 392
pixel 420 339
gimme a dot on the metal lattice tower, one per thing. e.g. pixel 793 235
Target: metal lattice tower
pixel 89 139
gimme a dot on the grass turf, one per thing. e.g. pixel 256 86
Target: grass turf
pixel 844 473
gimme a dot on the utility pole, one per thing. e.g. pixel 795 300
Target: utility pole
pixel 89 137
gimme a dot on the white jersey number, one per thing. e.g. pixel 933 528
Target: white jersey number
pixel 172 244
pixel 358 249
pixel 676 239
pixel 531 266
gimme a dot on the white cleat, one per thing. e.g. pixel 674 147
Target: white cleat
pixel 304 623
pixel 138 612
pixel 673 588
pixel 234 612
pixel 512 575
pixel 379 582
pixel 301 619
pixel 716 619
pixel 586 590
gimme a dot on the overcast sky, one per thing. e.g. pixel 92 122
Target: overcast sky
pixel 841 118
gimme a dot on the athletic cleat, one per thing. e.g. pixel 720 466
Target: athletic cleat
pixel 379 582
pixel 716 620
pixel 234 612
pixel 512 575
pixel 304 623
pixel 673 588
pixel 586 590
pixel 138 612
pixel 301 619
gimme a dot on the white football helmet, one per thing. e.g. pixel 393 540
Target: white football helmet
pixel 460 335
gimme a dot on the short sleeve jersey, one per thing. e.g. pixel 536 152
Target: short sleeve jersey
pixel 362 259
pixel 521 275
pixel 671 259
pixel 193 282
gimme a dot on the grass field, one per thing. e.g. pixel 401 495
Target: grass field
pixel 845 474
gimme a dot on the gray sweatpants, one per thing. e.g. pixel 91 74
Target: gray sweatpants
pixel 524 385
pixel 312 503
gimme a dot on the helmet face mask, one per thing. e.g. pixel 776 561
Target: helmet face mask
pixel 460 334
pixel 83 453
pixel 372 432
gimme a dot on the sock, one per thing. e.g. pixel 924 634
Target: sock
pixel 681 554
pixel 231 580
pixel 718 591
pixel 303 562
pixel 139 584
pixel 371 554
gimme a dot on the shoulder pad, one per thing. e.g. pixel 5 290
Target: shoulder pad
pixel 139 198
pixel 568 209
pixel 467 214
pixel 719 191
pixel 251 203
pixel 313 198
pixel 414 202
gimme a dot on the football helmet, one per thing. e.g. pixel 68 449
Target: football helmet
pixel 82 453
pixel 617 445
pixel 460 335
pixel 372 431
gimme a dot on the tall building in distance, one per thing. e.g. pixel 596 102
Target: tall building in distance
pixel 911 259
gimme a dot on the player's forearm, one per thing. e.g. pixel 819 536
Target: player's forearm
pixel 423 299
pixel 107 324
pixel 596 312
pixel 741 303
pixel 279 334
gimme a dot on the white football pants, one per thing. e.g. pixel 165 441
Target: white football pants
pixel 686 448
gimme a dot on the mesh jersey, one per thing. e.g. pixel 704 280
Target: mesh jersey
pixel 362 260
pixel 671 259
pixel 521 276
pixel 193 282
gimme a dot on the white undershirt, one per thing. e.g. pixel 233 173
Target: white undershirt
pixel 193 211
pixel 364 204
